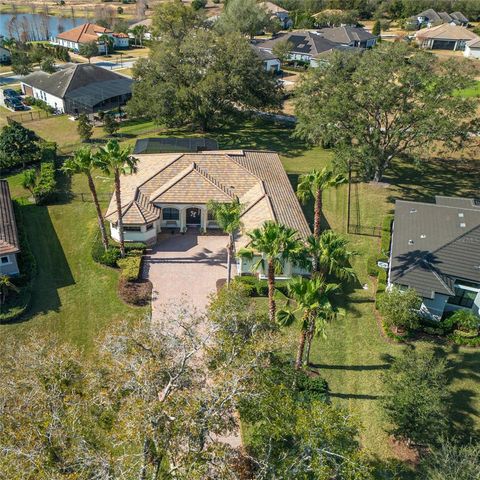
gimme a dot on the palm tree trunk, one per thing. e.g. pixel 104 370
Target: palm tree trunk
pixel 229 260
pixel 271 290
pixel 317 214
pixel 119 213
pixel 301 348
pixel 310 332
pixel 101 224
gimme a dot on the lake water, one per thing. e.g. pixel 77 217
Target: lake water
pixel 34 26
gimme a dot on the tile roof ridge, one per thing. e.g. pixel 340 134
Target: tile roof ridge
pixel 261 197
pixel 173 160
pixel 214 181
pixel 438 276
pixel 166 186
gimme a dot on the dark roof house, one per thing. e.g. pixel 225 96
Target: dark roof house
pixel 351 36
pixel 9 243
pixel 436 251
pixel 80 88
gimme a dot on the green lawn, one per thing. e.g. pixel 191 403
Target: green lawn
pixel 473 91
pixel 77 298
pixel 73 297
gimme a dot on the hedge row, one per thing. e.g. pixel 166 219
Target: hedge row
pixel 18 303
pixel 256 287
pixel 131 265
pixel 111 257
pixel 46 188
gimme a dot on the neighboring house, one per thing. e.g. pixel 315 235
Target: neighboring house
pixel 171 192
pixel 271 63
pixel 472 48
pixel 349 36
pixel 278 12
pixel 87 33
pixel 145 23
pixel 444 37
pixel 431 18
pixel 9 244
pixel 436 251
pixel 306 46
pixel 5 55
pixel 173 144
pixel 80 88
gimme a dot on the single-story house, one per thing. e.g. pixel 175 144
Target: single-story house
pixel 444 37
pixel 147 23
pixel 306 46
pixel 88 33
pixel 5 55
pixel 79 88
pixel 431 18
pixel 278 12
pixel 472 48
pixel 173 144
pixel 9 243
pixel 436 251
pixel 271 63
pixel 349 36
pixel 171 191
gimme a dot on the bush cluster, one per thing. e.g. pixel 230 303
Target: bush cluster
pixel 46 189
pixel 131 265
pixel 37 102
pixel 110 257
pixel 255 287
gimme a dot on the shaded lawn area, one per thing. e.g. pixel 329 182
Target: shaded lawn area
pixel 473 91
pixel 73 297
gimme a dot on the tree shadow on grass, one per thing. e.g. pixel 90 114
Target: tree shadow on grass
pixel 53 271
pixel 435 176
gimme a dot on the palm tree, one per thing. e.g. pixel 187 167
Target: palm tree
pixel 227 216
pixel 328 254
pixel 83 161
pixel 29 180
pixel 139 32
pixel 5 286
pixel 107 41
pixel 312 185
pixel 113 158
pixel 276 244
pixel 312 299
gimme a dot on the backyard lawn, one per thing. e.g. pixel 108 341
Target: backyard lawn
pixel 77 298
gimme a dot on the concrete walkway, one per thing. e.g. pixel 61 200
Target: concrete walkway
pixel 185 268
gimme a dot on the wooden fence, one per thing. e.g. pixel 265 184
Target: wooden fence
pixel 30 116
pixel 364 230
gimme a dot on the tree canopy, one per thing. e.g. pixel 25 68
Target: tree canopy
pixel 386 102
pixel 18 145
pixel 217 76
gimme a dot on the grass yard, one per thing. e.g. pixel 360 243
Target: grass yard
pixel 74 297
pixel 473 91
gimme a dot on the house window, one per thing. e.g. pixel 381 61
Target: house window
pixel 150 226
pixel 4 260
pixel 132 229
pixel 211 216
pixel 465 294
pixel 170 214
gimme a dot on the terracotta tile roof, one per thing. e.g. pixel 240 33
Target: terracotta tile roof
pixel 8 227
pixel 257 178
pixel 88 32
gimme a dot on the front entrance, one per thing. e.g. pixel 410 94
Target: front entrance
pixel 194 216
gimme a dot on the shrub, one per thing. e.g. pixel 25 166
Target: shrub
pixel 130 267
pixel 110 257
pixel 16 304
pixel 458 337
pixel 311 388
pixel 463 319
pixel 46 188
pixel 199 4
pixel 400 308
pixel 48 151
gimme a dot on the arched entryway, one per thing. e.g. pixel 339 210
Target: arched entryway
pixel 194 216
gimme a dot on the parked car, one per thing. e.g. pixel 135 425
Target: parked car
pixel 10 93
pixel 15 104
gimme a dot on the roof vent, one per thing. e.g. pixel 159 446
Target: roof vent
pixel 413 210
pixel 463 225
pixel 411 242
pixel 461 215
pixel 423 235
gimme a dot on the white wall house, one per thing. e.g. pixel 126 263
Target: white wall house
pixel 472 49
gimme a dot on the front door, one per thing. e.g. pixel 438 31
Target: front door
pixel 193 216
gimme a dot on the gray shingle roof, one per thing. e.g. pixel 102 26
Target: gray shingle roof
pixel 346 35
pixel 80 80
pixel 173 144
pixel 263 55
pixel 8 227
pixel 435 243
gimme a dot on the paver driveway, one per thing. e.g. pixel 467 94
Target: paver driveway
pixel 185 268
